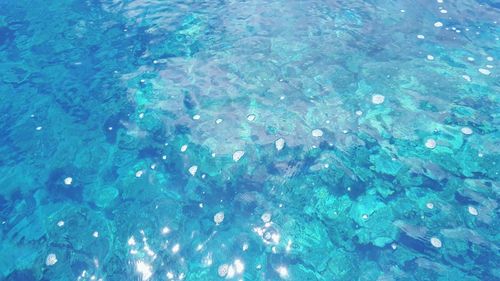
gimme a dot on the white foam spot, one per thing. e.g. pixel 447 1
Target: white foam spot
pixel 430 143
pixel 139 173
pixel 165 230
pixel 192 170
pixel 60 223
pixel 196 117
pixel 222 270
pixel 184 148
pixel 420 36
pixel 279 144
pixel 239 266
pixel 359 112
pixel 219 218
pixel 176 248
pixel 443 11
pixel 438 24
pixel 68 181
pixel 470 58
pixel 430 57
pixel 436 242
pixel 218 121
pixel 484 71
pixel 378 99
pixel 282 272
pixel 51 259
pixel 489 66
pixel 251 117
pixel 95 234
pixel 466 131
pixel 467 78
pixel 38 128
pixel 237 155
pixel 266 217
pixel 317 133
pixel 489 58
pixel 472 211
pixel 430 205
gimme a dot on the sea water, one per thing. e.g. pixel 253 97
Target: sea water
pixel 249 140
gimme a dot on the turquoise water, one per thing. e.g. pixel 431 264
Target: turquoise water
pixel 249 140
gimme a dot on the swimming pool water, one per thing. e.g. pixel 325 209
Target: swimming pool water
pixel 249 140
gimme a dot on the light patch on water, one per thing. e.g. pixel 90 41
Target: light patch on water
pixel 282 272
pixel 60 223
pixel 472 210
pixel 223 270
pixel 279 144
pixel 466 131
pixel 467 78
pixel 484 71
pixel 317 133
pixel 139 173
pixel 176 248
pixel 51 259
pixel 420 36
pixel 430 57
pixel 219 218
pixel 378 99
pixel 430 205
pixel 184 148
pixel 438 24
pixel 436 242
pixel 196 117
pixel 145 269
pixel 38 128
pixel 218 121
pixel 193 169
pixel 68 181
pixel 430 143
pixel 251 117
pixel 237 155
pixel 266 217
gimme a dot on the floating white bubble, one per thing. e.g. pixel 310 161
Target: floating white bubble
pixel 184 148
pixel 51 259
pixel 196 117
pixel 378 99
pixel 139 173
pixel 266 217
pixel 420 36
pixel 472 210
pixel 251 117
pixel 193 169
pixel 223 270
pixel 430 57
pixel 484 71
pixel 317 133
pixel 279 144
pixel 430 143
pixel 438 24
pixel 68 181
pixel 466 131
pixel 237 155
pixel 219 218
pixel 436 242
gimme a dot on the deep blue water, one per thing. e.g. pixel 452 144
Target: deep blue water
pixel 249 140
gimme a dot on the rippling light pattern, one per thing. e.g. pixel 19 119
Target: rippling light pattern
pixel 258 140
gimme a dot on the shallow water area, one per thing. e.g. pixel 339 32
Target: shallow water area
pixel 249 140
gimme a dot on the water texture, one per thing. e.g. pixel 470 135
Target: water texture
pixel 249 140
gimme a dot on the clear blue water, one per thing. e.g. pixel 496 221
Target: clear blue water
pixel 249 140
